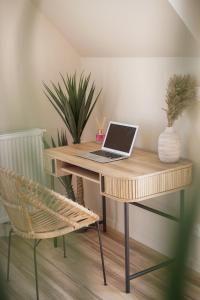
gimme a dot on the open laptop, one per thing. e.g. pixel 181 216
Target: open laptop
pixel 118 143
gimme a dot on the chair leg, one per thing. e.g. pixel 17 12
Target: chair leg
pixel 9 246
pixel 101 251
pixel 55 242
pixel 64 246
pixel 36 243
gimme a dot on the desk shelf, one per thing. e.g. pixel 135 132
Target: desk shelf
pixel 78 171
pixel 57 168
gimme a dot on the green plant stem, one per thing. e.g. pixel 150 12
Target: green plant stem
pixel 176 290
pixel 66 181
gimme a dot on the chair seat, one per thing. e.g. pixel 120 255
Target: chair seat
pixel 49 226
pixel 45 226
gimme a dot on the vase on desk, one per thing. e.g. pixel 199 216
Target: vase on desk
pixel 169 146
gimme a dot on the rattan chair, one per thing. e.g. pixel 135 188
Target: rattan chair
pixel 38 213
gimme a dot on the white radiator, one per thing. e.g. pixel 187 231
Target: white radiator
pixel 22 151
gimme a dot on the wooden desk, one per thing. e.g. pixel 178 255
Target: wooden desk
pixel 140 177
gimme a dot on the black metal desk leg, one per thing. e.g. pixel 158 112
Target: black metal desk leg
pixel 55 242
pixel 104 213
pixel 126 244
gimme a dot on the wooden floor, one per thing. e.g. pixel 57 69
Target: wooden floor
pixel 79 275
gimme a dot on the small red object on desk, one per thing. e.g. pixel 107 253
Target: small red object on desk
pixel 100 136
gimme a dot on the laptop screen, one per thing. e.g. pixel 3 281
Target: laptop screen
pixel 120 137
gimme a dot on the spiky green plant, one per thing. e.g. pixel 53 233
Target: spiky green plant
pixel 181 93
pixel 74 100
pixel 74 103
pixel 66 181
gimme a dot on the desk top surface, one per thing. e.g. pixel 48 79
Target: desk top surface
pixel 141 163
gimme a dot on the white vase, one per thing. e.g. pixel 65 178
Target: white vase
pixel 169 146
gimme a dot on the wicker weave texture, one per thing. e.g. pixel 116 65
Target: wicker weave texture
pixel 36 212
pixel 146 186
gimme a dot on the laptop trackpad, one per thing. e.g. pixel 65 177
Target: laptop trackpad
pixel 97 158
pixel 107 154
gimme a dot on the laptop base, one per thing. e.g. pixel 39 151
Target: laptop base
pixel 101 159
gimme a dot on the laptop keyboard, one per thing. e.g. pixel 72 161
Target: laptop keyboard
pixel 106 154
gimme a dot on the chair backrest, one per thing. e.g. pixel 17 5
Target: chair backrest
pixel 23 197
pixel 12 188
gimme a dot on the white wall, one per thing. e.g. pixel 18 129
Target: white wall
pixel 134 92
pixel 32 50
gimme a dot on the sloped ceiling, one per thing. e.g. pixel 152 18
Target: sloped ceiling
pixel 189 12
pixel 105 28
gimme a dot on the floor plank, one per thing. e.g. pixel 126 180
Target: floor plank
pixel 79 275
